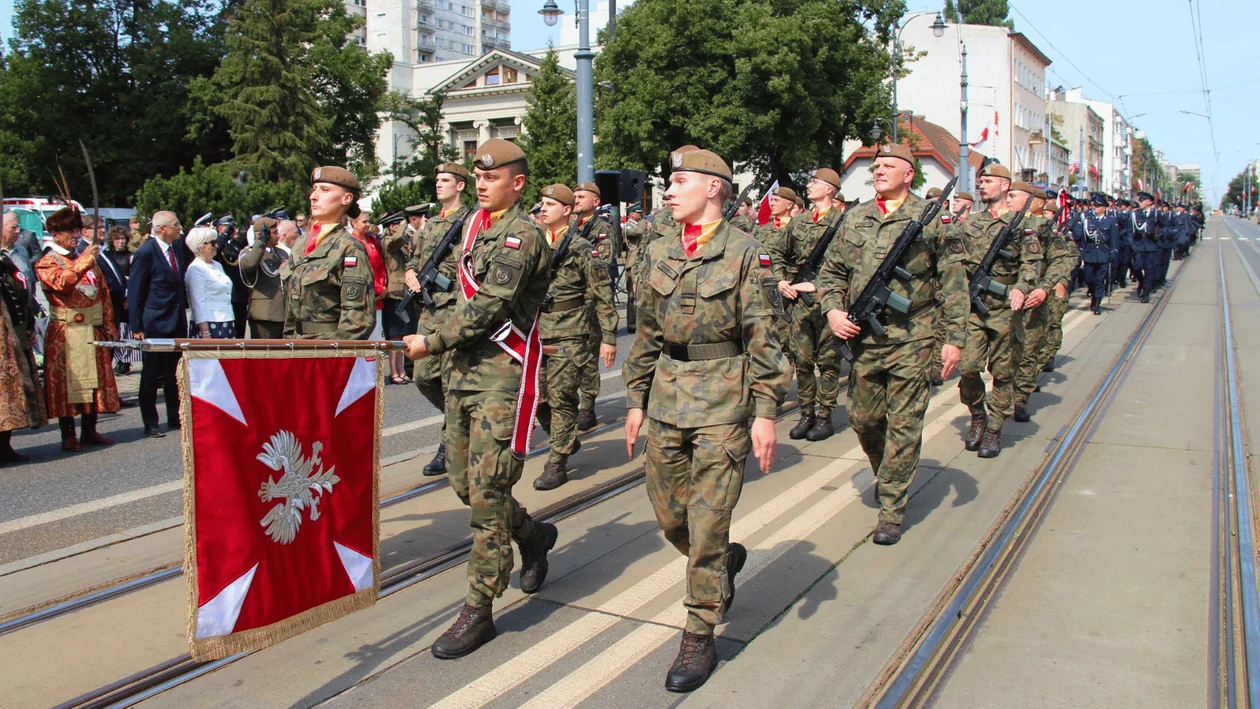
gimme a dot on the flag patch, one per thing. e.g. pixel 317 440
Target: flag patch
pixel 512 242
pixel 595 253
pixel 765 260
pixel 1029 232
pixel 945 219
pixel 350 262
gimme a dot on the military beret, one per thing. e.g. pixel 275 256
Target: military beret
pixel 453 168
pixel 965 195
pixel 587 187
pixel 995 169
pixel 265 223
pixel 1039 193
pixel 64 219
pixel 798 201
pixel 497 152
pixel 786 193
pixel 829 176
pixel 417 210
pixel 336 176
pixel 393 218
pixel 895 150
pixel 747 200
pixel 1098 199
pixel 702 161
pixel 934 193
pixel 1023 187
pixel 636 207
pixel 560 193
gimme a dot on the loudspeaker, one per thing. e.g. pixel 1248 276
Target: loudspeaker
pixel 632 185
pixel 616 186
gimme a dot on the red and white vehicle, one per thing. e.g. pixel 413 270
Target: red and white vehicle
pixel 34 211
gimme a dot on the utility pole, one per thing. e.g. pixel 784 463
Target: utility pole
pixel 964 150
pixel 585 96
pixel 1082 164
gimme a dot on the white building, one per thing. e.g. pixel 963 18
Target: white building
pixel 934 147
pixel 1116 165
pixel 423 31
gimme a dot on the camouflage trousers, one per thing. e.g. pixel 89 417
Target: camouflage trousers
pixel 1036 324
pixel 482 471
pixel 694 478
pixel 1056 308
pixel 888 398
pixel 811 346
pixel 938 326
pixel 557 414
pixel 995 340
pixel 589 372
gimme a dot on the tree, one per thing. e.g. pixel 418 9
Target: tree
pixel 192 193
pixel 1234 195
pixel 550 123
pixel 394 196
pixel 424 117
pixel 979 12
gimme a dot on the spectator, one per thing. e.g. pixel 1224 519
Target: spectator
pixel 138 235
pixel 21 399
pixel 397 248
pixel 115 263
pixel 155 303
pixel 10 231
pixel 300 222
pixel 87 235
pixel 260 269
pixel 209 288
pixel 361 228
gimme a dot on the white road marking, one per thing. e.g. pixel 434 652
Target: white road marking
pixel 17 525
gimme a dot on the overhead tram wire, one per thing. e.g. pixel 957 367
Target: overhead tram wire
pixel 1196 27
pixel 1087 77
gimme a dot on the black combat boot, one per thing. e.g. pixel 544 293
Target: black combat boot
pixel 534 556
pixel 736 555
pixel 437 466
pixel 1095 305
pixel 886 534
pixel 586 419
pixel 936 381
pixel 975 431
pixel 822 428
pixel 473 628
pixel 553 476
pixel 991 444
pixel 1021 412
pixel 695 662
pixel 802 427
pixel 1048 366
pixel 1146 296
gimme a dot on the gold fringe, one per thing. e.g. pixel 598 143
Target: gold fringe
pixel 258 638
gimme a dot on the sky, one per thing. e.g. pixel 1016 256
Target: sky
pixel 1140 56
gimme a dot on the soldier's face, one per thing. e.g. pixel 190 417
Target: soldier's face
pixel 962 205
pixel 1146 204
pixel 780 206
pixel 689 193
pixel 448 187
pixel 817 189
pixel 553 214
pixel 992 188
pixel 892 176
pixel 1016 200
pixel 498 188
pixel 584 201
pixel 329 201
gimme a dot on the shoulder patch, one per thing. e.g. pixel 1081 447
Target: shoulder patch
pixel 350 261
pixel 945 218
pixel 1028 232
pixel 1034 246
pixel 512 241
pixel 764 259
pixel 956 246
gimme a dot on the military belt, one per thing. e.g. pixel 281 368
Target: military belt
pixel 561 306
pixel 312 328
pixel 695 353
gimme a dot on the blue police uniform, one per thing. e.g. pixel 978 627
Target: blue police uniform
pixel 1169 231
pixel 1145 250
pixel 1125 258
pixel 1098 239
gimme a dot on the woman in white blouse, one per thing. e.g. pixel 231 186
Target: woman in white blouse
pixel 209 288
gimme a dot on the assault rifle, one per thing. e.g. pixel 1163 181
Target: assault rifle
pixel 809 270
pixel 865 309
pixel 430 277
pixel 733 208
pixel 562 249
pixel 982 282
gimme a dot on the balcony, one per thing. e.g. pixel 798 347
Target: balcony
pixel 425 28
pixel 488 43
pixel 426 45
pixel 488 4
pixel 503 6
pixel 425 6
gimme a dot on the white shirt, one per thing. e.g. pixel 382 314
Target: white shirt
pixel 209 292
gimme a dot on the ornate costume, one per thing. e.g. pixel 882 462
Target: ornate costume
pixel 78 376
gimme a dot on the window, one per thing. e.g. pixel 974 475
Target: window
pixel 470 149
pixel 509 76
pixel 492 77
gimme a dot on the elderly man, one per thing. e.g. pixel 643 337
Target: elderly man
pixel 21 398
pixel 156 301
pixel 9 233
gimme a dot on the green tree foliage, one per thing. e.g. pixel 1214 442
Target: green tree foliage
pixel 430 146
pixel 395 196
pixel 192 193
pixel 1147 168
pixel 979 12
pixel 1234 195
pixel 550 140
pixel 776 85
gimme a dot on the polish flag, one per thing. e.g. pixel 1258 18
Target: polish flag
pixel 990 131
pixel 1140 185
pixel 763 209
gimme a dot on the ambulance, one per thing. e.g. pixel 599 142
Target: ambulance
pixel 34 211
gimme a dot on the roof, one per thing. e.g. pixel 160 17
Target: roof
pixel 926 140
pixel 1021 38
pixel 465 71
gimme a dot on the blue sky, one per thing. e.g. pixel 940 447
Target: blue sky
pixel 1126 52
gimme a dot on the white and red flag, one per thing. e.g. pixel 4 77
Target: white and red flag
pixel 763 207
pixel 990 131
pixel 281 469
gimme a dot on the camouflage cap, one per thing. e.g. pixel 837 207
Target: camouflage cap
pixel 497 152
pixel 560 193
pixel 829 176
pixel 704 162
pixel 587 187
pixel 786 193
pixel 995 169
pixel 895 150
pixel 1020 186
pixel 453 168
pixel 965 195
pixel 334 175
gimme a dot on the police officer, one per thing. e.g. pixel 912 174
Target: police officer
pixel 1124 256
pixel 329 279
pixel 1145 244
pixel 490 406
pixel 1168 231
pixel 888 390
pixel 1098 238
pixel 702 364
pixel 586 198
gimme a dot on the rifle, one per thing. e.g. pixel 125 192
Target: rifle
pixel 981 282
pixel 733 208
pixel 430 278
pixel 562 249
pixel 809 269
pixel 865 309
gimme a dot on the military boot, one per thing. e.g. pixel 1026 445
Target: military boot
pixel 991 444
pixel 822 428
pixel 936 381
pixel 802 427
pixel 1048 366
pixel 1095 304
pixel 695 662
pixel 887 534
pixel 975 431
pixel 437 466
pixel 553 476
pixel 534 556
pixel 473 628
pixel 1021 412
pixel 586 419
pixel 1146 296
pixel 736 555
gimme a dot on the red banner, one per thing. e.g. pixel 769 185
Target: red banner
pixel 281 467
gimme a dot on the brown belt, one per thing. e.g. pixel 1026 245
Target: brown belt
pixel 567 304
pixel 313 328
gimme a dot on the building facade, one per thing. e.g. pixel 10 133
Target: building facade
pixel 424 31
pixel 1081 128
pixel 1116 165
pixel 933 146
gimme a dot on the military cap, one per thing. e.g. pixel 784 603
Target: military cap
pixel 995 169
pixel 897 150
pixel 636 207
pixel 497 152
pixel 1051 194
pixel 1039 193
pixel 536 208
pixel 798 201
pixel 265 223
pixel 747 200
pixel 587 187
pixel 417 210
pixel 934 193
pixel 786 193
pixel 1023 187
pixel 225 220
pixel 453 168
pixel 64 219
pixel 205 219
pixel 1098 199
pixel 334 175
pixel 393 218
pixel 965 195
pixel 1145 195
pixel 704 162
pixel 829 176
pixel 560 193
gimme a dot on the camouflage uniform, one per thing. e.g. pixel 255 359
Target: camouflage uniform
pixel 579 284
pixel 1036 320
pixel 330 291
pixel 769 235
pixel 888 385
pixel 742 223
pixel 428 371
pixel 601 236
pixel 711 310
pixel 635 234
pixel 996 339
pixel 939 326
pixel 663 224
pixel 1063 256
pixel 482 385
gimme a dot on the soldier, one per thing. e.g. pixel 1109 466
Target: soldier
pixel 330 289
pixel 417 216
pixel 769 234
pixel 490 402
pixel 962 205
pixel 1167 233
pixel 450 179
pixel 138 236
pixel 743 219
pixel 1036 309
pixel 1145 245
pixel 888 391
pixel 634 233
pixel 577 282
pixel 940 329
pixel 1185 231
pixel 261 262
pixel 1097 237
pixel 585 201
pixel 702 364
pixel 1061 257
pixel 1124 256
pixel 811 339
pixel 996 339
pixel 396 245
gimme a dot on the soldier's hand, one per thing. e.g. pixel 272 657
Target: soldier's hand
pixel 951 355
pixel 805 287
pixel 634 421
pixel 608 354
pixel 787 290
pixel 841 325
pixel 1035 298
pixel 763 442
pixel 1060 290
pixel 137 335
pixel 1016 299
pixel 415 347
pixel 412 281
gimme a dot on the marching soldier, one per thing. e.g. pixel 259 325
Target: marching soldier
pixel 261 263
pixel 331 296
pixel 995 339
pixel 770 234
pixel 635 233
pixel 888 392
pixel 492 335
pixel 1097 237
pixel 702 364
pixel 578 280
pixel 743 219
pixel 450 180
pixel 811 339
pixel 962 205
pixel 585 202
pixel 1061 256
pixel 396 245
pixel 1166 236
pixel 1036 309
pixel 1124 256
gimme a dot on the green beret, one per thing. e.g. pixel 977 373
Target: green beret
pixel 454 168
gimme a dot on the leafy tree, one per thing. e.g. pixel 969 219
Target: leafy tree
pixel 1146 168
pixel 192 193
pixel 550 123
pixel 979 12
pixel 1234 195
pixel 397 195
pixel 430 145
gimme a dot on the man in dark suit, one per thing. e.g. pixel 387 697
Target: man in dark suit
pixel 156 304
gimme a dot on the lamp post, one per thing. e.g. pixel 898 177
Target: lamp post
pixel 551 13
pixel 938 30
pixel 964 148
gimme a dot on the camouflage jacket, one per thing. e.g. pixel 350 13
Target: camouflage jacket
pixel 601 237
pixel 937 259
pixel 578 283
pixel 396 247
pixel 634 233
pixel 511 262
pixel 769 234
pixel 1021 273
pixel 793 244
pixel 1061 258
pixel 663 224
pixel 743 224
pixel 422 247
pixel 330 290
pixel 716 296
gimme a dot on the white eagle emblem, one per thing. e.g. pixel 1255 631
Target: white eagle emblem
pixel 297 485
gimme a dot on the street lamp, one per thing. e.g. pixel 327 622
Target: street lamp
pixel 551 13
pixel 938 31
pixel 876 132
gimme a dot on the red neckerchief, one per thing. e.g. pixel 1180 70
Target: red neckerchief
pixel 313 239
pixel 691 232
pixel 882 204
pixel 778 222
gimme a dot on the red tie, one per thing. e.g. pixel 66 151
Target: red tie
pixel 170 256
